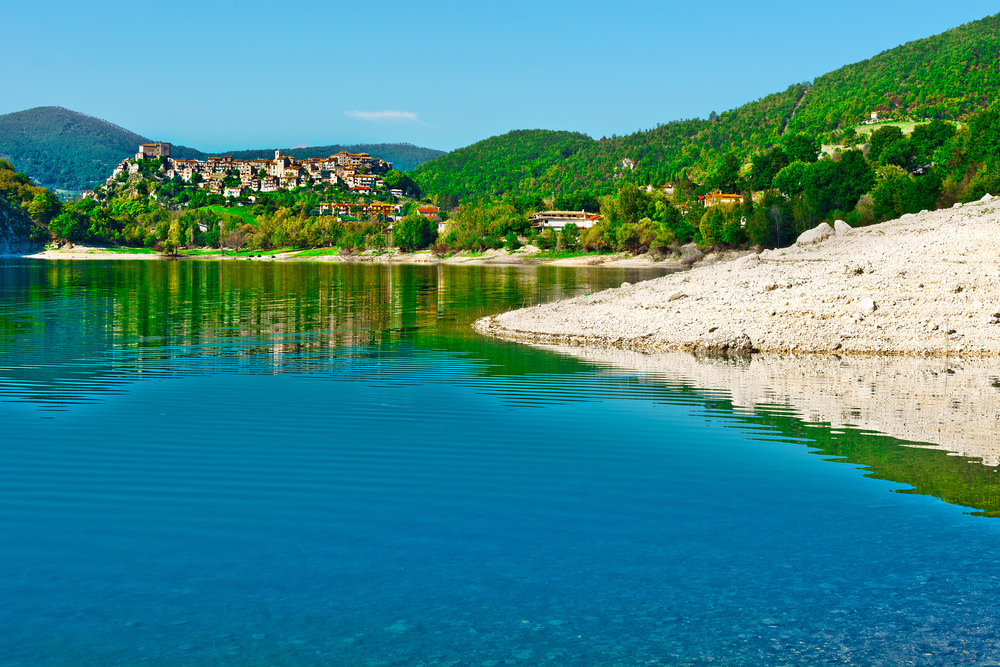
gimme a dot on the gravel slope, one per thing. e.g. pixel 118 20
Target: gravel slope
pixel 926 284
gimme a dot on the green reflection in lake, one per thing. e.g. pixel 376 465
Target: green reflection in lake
pixel 70 332
pixel 66 321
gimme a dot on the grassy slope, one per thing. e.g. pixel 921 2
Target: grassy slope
pixel 235 210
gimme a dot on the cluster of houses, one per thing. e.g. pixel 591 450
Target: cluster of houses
pixel 361 172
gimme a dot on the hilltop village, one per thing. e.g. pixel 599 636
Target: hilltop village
pixel 153 175
pixel 236 178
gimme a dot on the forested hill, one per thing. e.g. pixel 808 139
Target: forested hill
pixel 947 76
pixel 523 159
pixel 543 161
pixel 65 149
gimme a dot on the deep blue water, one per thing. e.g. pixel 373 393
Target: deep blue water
pixel 312 464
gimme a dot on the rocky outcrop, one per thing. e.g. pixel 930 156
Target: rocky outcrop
pixel 820 232
pixel 841 228
pixel 16 231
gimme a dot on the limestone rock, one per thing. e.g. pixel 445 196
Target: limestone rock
pixel 841 227
pixel 820 232
pixel 867 306
pixel 723 340
pixel 745 263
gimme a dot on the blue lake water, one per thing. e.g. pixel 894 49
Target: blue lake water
pixel 245 463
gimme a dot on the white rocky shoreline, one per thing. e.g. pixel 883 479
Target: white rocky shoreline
pixel 922 285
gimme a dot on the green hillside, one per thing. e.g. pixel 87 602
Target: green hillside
pixel 946 76
pixel 519 160
pixel 949 76
pixel 65 149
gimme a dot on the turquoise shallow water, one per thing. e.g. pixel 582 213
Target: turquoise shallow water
pixel 261 464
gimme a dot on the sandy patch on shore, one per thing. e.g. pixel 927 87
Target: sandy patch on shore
pixel 88 252
pixel 926 284
pixel 527 256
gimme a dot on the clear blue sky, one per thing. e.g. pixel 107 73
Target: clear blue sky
pixel 441 74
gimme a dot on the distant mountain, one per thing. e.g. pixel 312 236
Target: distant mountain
pixel 65 149
pixel 948 76
pixel 68 150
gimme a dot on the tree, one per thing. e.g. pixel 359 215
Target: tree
pixel 788 181
pixel 901 154
pixel 725 175
pixel 414 232
pixel 570 236
pixel 43 207
pixel 928 137
pixel 801 147
pixel 766 166
pixel 830 185
pixel 984 136
pixel 881 139
pixel 396 180
pixel 70 225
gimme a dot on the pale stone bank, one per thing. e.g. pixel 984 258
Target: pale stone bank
pixel 925 284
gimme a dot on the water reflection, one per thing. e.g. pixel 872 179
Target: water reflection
pixel 72 331
pixel 930 423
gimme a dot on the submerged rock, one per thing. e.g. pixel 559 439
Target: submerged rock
pixel 400 627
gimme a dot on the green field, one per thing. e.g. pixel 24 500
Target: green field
pixel 318 252
pixel 122 250
pixel 234 210
pixel 905 126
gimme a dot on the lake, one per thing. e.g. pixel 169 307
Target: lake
pixel 261 463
